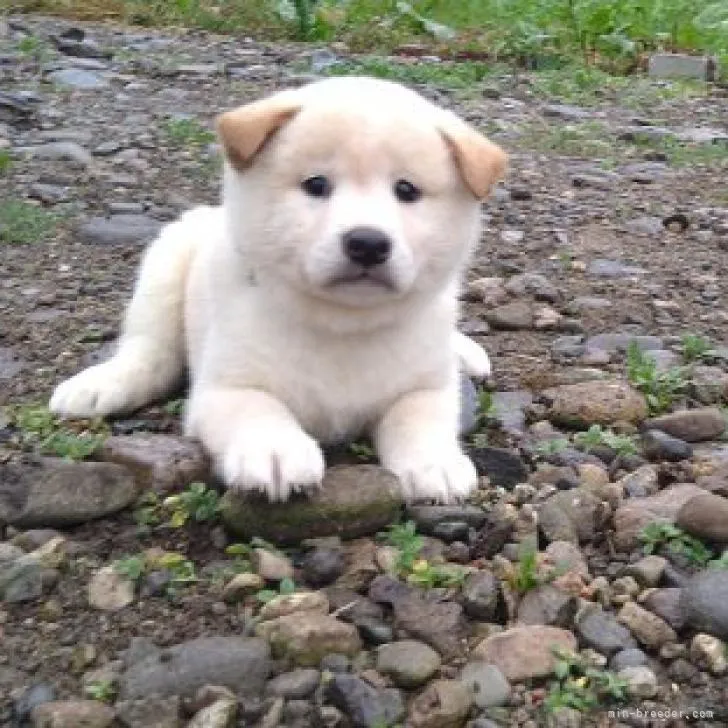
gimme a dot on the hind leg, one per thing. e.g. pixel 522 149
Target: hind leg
pixel 151 355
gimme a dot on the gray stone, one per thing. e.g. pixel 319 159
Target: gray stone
pixel 240 664
pixel 647 627
pixel 481 595
pixel 602 632
pixel 59 151
pixel 645 225
pixel 468 406
pixel 566 112
pixel 647 571
pixel 21 580
pixel 509 410
pixel 365 706
pixel 630 657
pixel 709 385
pixel 641 681
pixel 620 342
pixel 119 230
pixel 705 516
pixel 572 515
pixel 533 284
pixel 151 712
pixel 50 194
pixel 667 604
pixel 408 663
pixel 353 501
pixel 694 425
pixel 548 605
pixel 73 714
pixel 78 79
pixel 704 600
pixel 503 467
pixel 602 268
pixel 295 685
pixel 487 684
pixel 511 316
pixel 59 493
pixel 658 445
pixel 10 363
pixel 443 704
pixel 30 698
pixel 322 566
pixel 428 518
pixel 682 65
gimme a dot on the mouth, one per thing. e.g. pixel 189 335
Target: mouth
pixel 362 278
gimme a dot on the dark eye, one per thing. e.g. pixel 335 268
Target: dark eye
pixel 318 186
pixel 406 192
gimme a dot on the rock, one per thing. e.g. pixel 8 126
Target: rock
pixel 271 566
pixel 151 712
pixel 306 637
pixel 523 653
pixel 119 230
pixel 571 515
pixel 110 590
pixel 21 579
pixel 695 425
pixel 658 445
pixel 440 624
pixel 295 685
pixel 365 706
pixel 220 714
pixel 682 65
pixel 468 406
pixel 241 586
pixel 509 410
pixel 635 513
pixel 533 284
pixel 631 657
pixel 63 151
pixel 408 663
pixel 323 565
pixel 648 570
pixel 566 112
pixel 567 557
pixel 429 518
pixel 354 501
pixel 704 601
pixel 443 704
pixel 547 605
pixel 481 596
pixel 30 699
pixel 618 342
pixel 486 683
pixel 241 664
pixel 705 516
pixel 504 468
pixel 489 291
pixel 285 604
pixel 601 631
pixel 60 493
pixel 709 385
pixel 73 714
pixel 495 532
pixel 603 268
pixel 594 402
pixel 159 462
pixel 666 604
pixel 647 627
pixel 78 78
pixel 709 652
pixel 510 316
pixel 641 681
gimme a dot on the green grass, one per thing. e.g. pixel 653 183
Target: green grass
pixel 6 161
pixel 596 436
pixel 661 388
pixel 184 132
pixel 656 535
pixel 22 223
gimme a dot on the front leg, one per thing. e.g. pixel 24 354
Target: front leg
pixel 417 439
pixel 255 441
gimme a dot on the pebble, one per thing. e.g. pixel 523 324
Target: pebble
pixel 110 590
pixel 548 605
pixel 78 79
pixel 364 705
pixel 503 467
pixel 30 698
pixel 658 445
pixel 629 657
pixel 601 631
pixel 21 579
pixel 666 604
pixel 641 681
pixel 241 586
pixel 648 570
pixel 119 230
pixel 511 316
pixel 486 683
pixel 647 627
pixel 694 425
pixel 408 663
pixel 704 601
pixel 63 151
pixel 481 596
pixel 271 566
pixel 294 685
pixel 73 714
pixel 571 515
pixel 707 651
pixel 706 517
pixel 285 604
pixel 442 704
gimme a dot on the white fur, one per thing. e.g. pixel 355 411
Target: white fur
pixel 281 356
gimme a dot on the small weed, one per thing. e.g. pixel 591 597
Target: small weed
pixel 197 502
pixel 184 132
pixel 655 535
pixel 582 687
pixel 525 575
pixel 661 388
pixel 181 570
pixel 407 541
pixel 429 576
pixel 551 447
pixel 285 586
pixel 22 223
pixel 31 46
pixel 101 690
pixel 148 510
pixel 175 407
pixel 480 439
pixel 132 567
pixel 362 451
pixel 595 437
pixel 721 562
pixel 694 347
pixel 487 409
pixel 6 161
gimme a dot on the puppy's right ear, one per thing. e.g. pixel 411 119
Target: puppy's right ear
pixel 245 130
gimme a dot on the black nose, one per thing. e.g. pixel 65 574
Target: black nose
pixel 367 246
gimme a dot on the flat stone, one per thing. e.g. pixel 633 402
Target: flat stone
pixel 704 601
pixel 660 446
pixel 641 681
pixel 566 112
pixel 509 410
pixel 73 714
pixel 365 705
pixel 666 604
pixel 647 627
pixel 602 268
pixel 284 604
pixel 119 230
pixel 694 425
pixel 705 516
pixel 11 364
pixel 428 518
pixel 78 79
pixel 354 501
pixel 525 653
pixel 219 714
pixel 571 515
pixel 21 579
pixel 63 151
pixel 682 65
pixel 594 402
pixel 306 637
pixel 109 590
pixel 295 685
pixel 159 462
pixel 511 316
pixel 443 704
pixel 468 406
pixel 503 467
pixel 481 595
pixel 548 605
pixel 486 683
pixel 240 664
pixel 602 632
pixel 620 342
pixel 59 493
pixel 533 284
pixel 151 712
pixel 635 513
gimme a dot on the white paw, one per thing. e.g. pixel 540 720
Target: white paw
pixel 447 476
pixel 276 461
pixel 472 357
pixel 96 392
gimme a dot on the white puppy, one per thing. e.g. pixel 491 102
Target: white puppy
pixel 320 300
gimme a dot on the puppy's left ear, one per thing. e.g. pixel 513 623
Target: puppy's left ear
pixel 481 163
pixel 244 131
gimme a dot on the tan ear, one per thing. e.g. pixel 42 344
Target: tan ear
pixel 481 163
pixel 245 130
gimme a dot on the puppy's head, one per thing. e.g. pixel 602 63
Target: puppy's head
pixel 354 190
